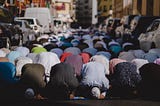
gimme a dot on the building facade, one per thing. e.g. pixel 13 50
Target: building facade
pixel 117 8
pixel 57 7
pixel 86 12
pixel 146 7
pixel 63 8
pixel 134 7
pixel 83 12
pixel 104 9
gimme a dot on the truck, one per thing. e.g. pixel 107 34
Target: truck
pixel 43 15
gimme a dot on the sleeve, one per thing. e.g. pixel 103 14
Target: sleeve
pixel 105 84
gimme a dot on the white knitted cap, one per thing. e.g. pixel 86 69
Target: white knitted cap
pixel 95 92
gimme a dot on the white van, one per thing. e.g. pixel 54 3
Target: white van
pixel 34 24
pixel 43 15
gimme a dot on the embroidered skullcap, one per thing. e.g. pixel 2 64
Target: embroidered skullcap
pixel 96 92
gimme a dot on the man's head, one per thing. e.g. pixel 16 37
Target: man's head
pixel 95 92
pixel 29 93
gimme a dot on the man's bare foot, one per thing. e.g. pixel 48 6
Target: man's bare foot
pixel 39 97
pixel 71 96
pixel 101 96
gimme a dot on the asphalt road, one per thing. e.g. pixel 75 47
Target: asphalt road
pixel 15 98
pixel 115 102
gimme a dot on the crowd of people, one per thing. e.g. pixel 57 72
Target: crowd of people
pixel 82 65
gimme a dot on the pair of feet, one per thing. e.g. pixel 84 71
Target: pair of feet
pixel 39 97
pixel 71 96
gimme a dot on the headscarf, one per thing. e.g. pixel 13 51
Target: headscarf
pixel 101 43
pixel 85 57
pixel 103 60
pixel 62 81
pixel 23 50
pixel 75 42
pixel 73 50
pixel 138 53
pixel 58 51
pixel 116 49
pixel 155 50
pixel 86 37
pixel 33 75
pixel 89 42
pixel 13 55
pixel 32 56
pixel 38 50
pixel 104 53
pixel 93 74
pixel 76 62
pixel 64 56
pixel 95 37
pixel 63 73
pixel 145 45
pixel 113 62
pixel 125 75
pixel 150 73
pixel 91 51
pixel 20 62
pixel 47 59
pixel 139 63
pixel 129 56
pixel 151 57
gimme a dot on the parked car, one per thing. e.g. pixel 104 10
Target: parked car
pixel 10 34
pixel 27 31
pixel 151 37
pixel 34 23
